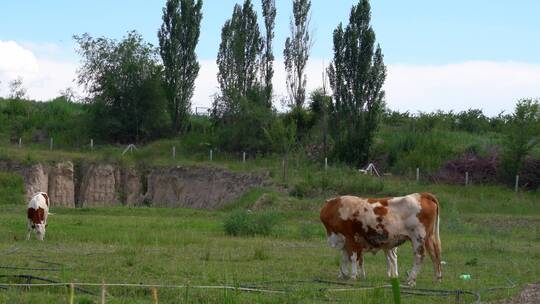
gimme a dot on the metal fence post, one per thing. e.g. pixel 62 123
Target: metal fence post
pixel 244 157
pixel 174 151
pixel 92 144
pixel 467 178
pixel 51 144
pixel 20 142
pixel 211 155
pixel 517 183
pixel 417 174
pixel 326 163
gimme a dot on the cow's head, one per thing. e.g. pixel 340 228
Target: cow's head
pixel 40 231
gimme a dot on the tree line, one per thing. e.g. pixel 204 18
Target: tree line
pixel 137 92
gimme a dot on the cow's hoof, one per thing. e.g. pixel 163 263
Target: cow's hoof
pixel 411 282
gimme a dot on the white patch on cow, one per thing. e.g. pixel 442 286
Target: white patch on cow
pixel 402 217
pixel 354 208
pixel 336 240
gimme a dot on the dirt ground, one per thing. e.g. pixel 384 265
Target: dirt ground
pixel 529 295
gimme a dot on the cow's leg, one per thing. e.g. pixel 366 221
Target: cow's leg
pixel 434 251
pixel 354 265
pixel 391 263
pixel 28 230
pixel 361 264
pixel 418 252
pixel 344 265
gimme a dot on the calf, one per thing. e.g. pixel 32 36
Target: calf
pixel 37 213
pixel 355 224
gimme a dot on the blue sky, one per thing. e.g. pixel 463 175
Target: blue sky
pixel 417 33
pixel 421 31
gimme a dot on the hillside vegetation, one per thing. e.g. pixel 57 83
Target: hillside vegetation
pixel 402 143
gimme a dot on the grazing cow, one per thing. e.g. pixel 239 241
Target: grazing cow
pixel 355 224
pixel 37 213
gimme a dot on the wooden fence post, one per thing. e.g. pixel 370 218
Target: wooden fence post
pixel 244 157
pixel 467 178
pixel 103 292
pixel 211 154
pixel 71 293
pixel 92 144
pixel 51 144
pixel 20 142
pixel 517 183
pixel 174 151
pixel 154 295
pixel 417 174
pixel 325 163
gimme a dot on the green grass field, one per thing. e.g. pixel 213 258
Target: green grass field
pixel 488 232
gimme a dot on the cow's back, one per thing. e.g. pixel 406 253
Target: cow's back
pixel 38 208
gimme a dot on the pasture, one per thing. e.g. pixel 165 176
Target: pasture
pixel 488 232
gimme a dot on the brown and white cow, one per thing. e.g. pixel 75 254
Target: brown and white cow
pixel 37 213
pixel 355 224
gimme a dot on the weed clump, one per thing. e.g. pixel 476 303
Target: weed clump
pixel 244 223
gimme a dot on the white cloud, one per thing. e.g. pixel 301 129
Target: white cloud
pixel 490 86
pixel 43 78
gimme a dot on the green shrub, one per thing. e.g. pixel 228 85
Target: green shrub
pixel 11 189
pixel 244 223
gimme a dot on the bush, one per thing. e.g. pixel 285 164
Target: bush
pixel 244 223
pixel 11 189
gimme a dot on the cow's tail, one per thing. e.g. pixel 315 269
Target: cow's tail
pixel 436 234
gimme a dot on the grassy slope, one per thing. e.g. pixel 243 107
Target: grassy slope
pixel 490 225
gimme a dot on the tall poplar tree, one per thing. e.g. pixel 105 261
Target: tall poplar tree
pixel 357 74
pixel 178 38
pixel 296 52
pixel 238 57
pixel 269 14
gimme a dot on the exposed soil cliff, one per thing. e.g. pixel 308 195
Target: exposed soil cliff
pixel 93 185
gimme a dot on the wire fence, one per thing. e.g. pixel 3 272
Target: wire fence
pixel 459 296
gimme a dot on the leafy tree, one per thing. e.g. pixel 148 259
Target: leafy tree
pixel 123 80
pixel 178 38
pixel 321 107
pixel 17 89
pixel 269 14
pixel 282 138
pixel 238 57
pixel 241 111
pixel 472 120
pixel 356 76
pixel 68 94
pixel 522 135
pixel 296 52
